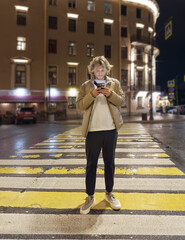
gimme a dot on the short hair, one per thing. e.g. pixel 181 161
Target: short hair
pixel 100 60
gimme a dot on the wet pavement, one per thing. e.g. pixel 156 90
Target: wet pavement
pixel 42 185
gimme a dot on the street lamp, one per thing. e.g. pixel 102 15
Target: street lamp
pixel 151 81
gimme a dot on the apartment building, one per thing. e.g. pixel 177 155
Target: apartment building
pixel 46 46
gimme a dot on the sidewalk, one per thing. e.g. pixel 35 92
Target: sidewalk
pixel 158 118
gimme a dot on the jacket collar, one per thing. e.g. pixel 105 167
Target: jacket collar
pixel 108 79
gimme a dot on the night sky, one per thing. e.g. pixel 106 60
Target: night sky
pixel 171 62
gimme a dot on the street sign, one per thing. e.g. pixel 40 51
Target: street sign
pixel 168 30
pixel 171 83
pixel 171 89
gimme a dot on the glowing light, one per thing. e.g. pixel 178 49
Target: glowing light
pixel 21 8
pixel 150 29
pixel 72 15
pixel 151 4
pixel 72 63
pixel 20 60
pixel 53 92
pixel 73 92
pixel 140 67
pixel 140 25
pixel 142 94
pixel 106 20
pixel 20 92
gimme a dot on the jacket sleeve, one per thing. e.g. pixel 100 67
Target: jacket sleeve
pixel 84 100
pixel 117 96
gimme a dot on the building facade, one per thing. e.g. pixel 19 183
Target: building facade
pixel 46 46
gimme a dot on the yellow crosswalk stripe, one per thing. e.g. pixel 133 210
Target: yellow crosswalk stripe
pixel 100 170
pixel 72 200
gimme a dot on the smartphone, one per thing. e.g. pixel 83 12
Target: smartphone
pixel 99 85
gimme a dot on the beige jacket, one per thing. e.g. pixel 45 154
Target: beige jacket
pixel 85 102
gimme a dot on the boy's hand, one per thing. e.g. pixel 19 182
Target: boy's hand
pixel 95 92
pixel 105 91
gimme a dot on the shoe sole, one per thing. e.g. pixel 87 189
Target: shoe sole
pixel 84 212
pixel 114 208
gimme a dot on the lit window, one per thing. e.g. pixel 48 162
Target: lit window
pixel 139 53
pixel 140 102
pixel 91 5
pixel 124 77
pixel 107 8
pixel 72 102
pixel 90 50
pixel 72 48
pixel 52 75
pixel 21 43
pixel 20 76
pixel 72 76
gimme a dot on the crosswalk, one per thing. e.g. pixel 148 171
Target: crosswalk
pixel 43 187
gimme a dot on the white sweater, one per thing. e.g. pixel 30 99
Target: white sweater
pixel 101 118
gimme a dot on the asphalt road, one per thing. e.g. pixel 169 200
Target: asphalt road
pixel 14 138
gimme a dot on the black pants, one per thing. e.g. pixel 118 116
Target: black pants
pixel 95 141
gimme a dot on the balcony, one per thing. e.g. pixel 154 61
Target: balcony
pixel 145 88
pixel 140 40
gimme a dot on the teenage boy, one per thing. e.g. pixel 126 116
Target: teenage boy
pixel 100 98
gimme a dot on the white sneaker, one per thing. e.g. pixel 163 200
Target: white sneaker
pixel 113 201
pixel 88 204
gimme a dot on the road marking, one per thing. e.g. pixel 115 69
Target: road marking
pixel 100 170
pixel 63 161
pixel 78 226
pixel 72 200
pixel 76 183
pixel 118 150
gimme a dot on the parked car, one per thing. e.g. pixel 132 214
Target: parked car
pixel 25 114
pixel 182 109
pixel 173 111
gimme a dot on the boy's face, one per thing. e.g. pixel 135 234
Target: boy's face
pixel 99 72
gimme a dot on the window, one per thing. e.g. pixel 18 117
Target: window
pixel 21 18
pixel 123 10
pixel 139 79
pixel 72 4
pixel 138 12
pixel 72 102
pixel 21 43
pixel 90 27
pixel 20 78
pixel 124 52
pixel 90 49
pixel 52 48
pixel 52 75
pixel 108 51
pixel 91 5
pixel 53 22
pixel 139 53
pixel 124 31
pixel 107 30
pixel 124 77
pixel 140 102
pixel 53 2
pixel 139 33
pixel 149 17
pixel 72 76
pixel 107 8
pixel 72 48
pixel 72 25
